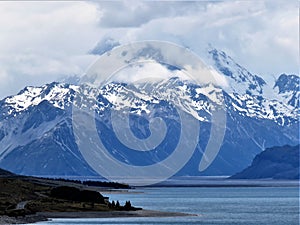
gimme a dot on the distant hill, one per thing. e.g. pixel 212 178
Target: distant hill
pixel 276 162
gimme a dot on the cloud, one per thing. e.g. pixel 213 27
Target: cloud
pixel 116 14
pixel 261 35
pixel 141 72
pixel 42 41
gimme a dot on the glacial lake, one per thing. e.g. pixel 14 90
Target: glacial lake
pixel 213 205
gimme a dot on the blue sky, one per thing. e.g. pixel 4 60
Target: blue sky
pixel 44 41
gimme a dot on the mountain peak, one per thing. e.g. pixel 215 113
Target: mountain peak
pixel 240 79
pixel 58 94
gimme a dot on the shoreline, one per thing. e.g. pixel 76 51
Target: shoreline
pixel 113 214
pixel 47 216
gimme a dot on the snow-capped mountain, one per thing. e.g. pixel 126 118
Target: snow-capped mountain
pixel 36 131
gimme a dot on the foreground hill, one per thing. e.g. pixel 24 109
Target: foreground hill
pixel 276 163
pixel 26 196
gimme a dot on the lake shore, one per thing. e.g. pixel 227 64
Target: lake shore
pixel 44 216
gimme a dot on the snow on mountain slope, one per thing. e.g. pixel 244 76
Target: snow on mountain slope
pixel 259 107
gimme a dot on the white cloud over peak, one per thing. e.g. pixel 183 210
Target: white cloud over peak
pixel 260 35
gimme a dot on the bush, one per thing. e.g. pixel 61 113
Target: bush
pixel 74 194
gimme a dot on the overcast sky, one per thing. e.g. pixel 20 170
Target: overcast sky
pixel 42 42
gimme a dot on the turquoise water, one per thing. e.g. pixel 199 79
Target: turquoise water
pixel 247 205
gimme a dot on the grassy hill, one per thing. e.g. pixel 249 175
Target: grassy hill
pixel 20 195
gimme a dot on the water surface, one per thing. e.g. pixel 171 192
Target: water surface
pixel 229 205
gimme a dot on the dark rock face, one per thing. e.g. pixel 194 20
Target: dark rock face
pixel 277 163
pixel 289 84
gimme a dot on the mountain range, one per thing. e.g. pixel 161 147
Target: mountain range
pixel 36 129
